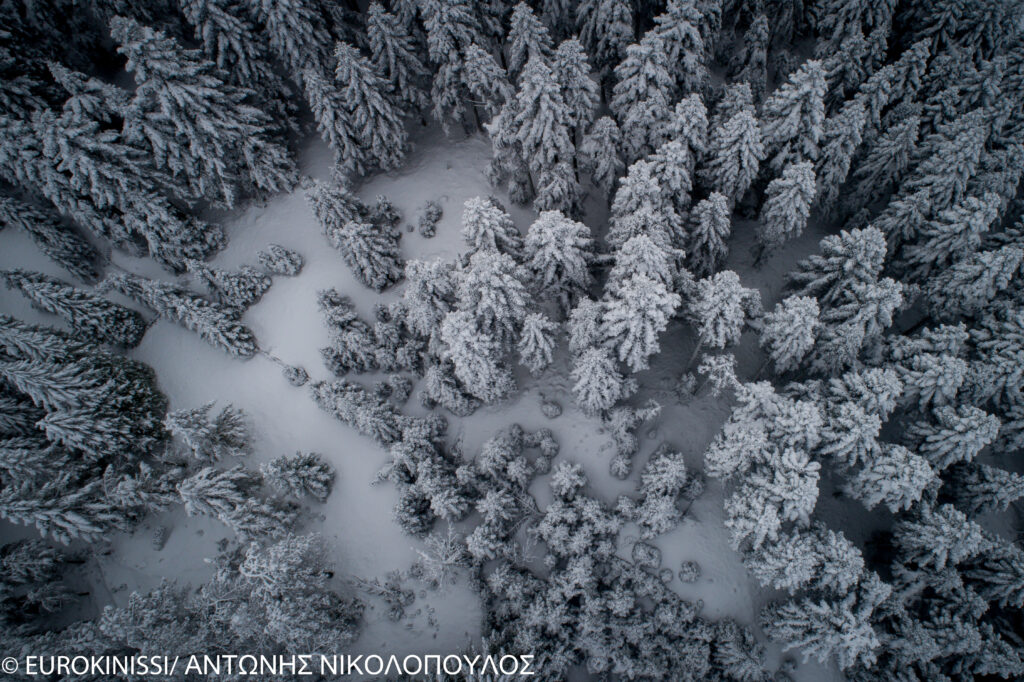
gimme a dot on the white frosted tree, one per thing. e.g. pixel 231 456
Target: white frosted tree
pixel 735 146
pixel 451 27
pixel 789 331
pixel 239 289
pixel 847 259
pixel 793 117
pixel 371 253
pixel 59 243
pixel 886 158
pixel 640 207
pixel 532 143
pixel 750 63
pixel 641 98
pixel 428 295
pixel 332 120
pixel 672 163
pixel 635 315
pixel 537 341
pixel 492 289
pixel 542 118
pixel 215 323
pixel 955 435
pixel 584 326
pixel 606 28
pixel 721 307
pixel 998 341
pixel 87 313
pixel 980 488
pixel 559 252
pixel 840 141
pixel 527 38
pixel 204 131
pixel 304 474
pixel 678 27
pixel 393 53
pixel 374 118
pixel 579 91
pixel 824 628
pixel 787 206
pixel 485 80
pixel 211 438
pixel 640 256
pixel 895 477
pixel 969 285
pixel 486 227
pixel 938 537
pixel 599 153
pixel 475 355
pixel 710 226
pixel 297 35
pixel 955 231
pixel 597 384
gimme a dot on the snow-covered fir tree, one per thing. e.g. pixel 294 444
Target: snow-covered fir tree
pixel 606 28
pixel 239 289
pixel 393 53
pixel 641 207
pixel 750 64
pixel 451 27
pixel 354 405
pixel 211 438
pixel 112 175
pixel 600 153
pixel 527 38
pixel 789 331
pixel 537 342
pixel 485 80
pixel 486 226
pixel 216 324
pixel 597 384
pixel 197 126
pixel 428 294
pixel 635 314
pixel 839 142
pixel 84 311
pixel 887 158
pixel 559 252
pixel 642 97
pixel 374 118
pixel 332 120
pixel 278 260
pixel 60 244
pixel 371 251
pixel 787 206
pixel 579 91
pixel 711 224
pixel 302 474
pixel 735 145
pixel 793 117
pixel 492 290
pixel 972 283
pixel 476 356
pixel 679 28
pixel 720 307
pixel 895 477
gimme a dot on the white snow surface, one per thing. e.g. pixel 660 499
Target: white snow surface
pixel 356 519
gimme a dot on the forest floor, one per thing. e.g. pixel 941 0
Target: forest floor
pixel 356 519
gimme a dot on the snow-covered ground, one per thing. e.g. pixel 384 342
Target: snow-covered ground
pixel 356 520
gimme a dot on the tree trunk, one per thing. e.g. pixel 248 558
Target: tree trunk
pixel 693 357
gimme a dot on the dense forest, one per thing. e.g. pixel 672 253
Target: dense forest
pixel 653 168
